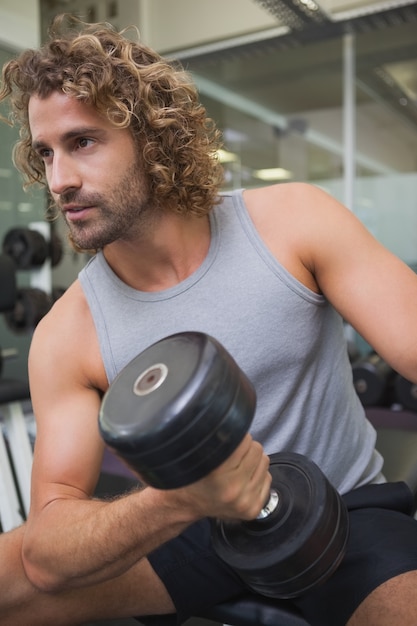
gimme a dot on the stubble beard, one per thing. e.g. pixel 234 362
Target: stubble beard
pixel 123 213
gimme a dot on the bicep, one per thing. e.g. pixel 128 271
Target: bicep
pixel 371 288
pixel 68 448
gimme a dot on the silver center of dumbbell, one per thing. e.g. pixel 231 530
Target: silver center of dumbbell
pixel 150 379
pixel 270 506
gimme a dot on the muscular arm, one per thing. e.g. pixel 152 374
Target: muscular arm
pixel 329 250
pixel 71 539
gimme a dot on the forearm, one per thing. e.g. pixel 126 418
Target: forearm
pixel 75 543
pixel 136 592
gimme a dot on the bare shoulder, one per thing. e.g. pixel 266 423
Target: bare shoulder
pixel 291 199
pixel 65 340
pixel 291 218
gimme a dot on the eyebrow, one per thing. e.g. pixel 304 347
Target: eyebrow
pixel 71 134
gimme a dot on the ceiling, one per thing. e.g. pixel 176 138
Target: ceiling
pixel 295 82
pixel 387 64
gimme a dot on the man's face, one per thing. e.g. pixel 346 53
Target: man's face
pixel 92 170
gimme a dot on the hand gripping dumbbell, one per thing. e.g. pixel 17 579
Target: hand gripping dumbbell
pixel 175 413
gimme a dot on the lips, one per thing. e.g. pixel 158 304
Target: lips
pixel 75 213
pixel 73 208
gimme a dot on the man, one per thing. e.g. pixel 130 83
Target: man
pixel 118 136
pixel 239 488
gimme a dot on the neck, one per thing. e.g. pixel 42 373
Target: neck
pixel 165 256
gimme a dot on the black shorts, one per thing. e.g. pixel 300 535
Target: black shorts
pixel 382 544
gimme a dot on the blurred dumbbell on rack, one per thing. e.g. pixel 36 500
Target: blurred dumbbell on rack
pixel 30 306
pixel 29 249
pixel 373 380
pixel 8 291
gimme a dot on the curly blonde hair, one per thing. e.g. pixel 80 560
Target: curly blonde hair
pixel 135 88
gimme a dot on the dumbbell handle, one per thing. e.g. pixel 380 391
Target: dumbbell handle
pixel 270 506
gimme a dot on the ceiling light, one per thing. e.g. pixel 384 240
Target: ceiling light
pixel 227 157
pixel 273 173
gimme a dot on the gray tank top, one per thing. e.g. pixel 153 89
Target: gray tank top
pixel 287 339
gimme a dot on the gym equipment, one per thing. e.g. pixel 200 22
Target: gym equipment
pixel 175 413
pixel 24 307
pixel 31 304
pixel 8 291
pixel 15 454
pixel 29 249
pixel 6 353
pixel 298 543
pixel 405 392
pixel 178 410
pixel 372 379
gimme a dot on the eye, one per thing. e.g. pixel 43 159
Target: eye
pixel 85 142
pixel 44 153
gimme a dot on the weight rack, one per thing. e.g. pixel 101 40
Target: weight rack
pixel 15 455
pixel 16 452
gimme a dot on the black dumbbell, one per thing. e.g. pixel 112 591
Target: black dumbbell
pixel 29 249
pixel 8 290
pixel 298 539
pixel 373 380
pixel 30 306
pixel 175 413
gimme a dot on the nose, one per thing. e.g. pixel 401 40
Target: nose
pixel 63 174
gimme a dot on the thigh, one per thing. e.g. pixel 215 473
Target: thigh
pixel 193 575
pixel 394 602
pixel 382 545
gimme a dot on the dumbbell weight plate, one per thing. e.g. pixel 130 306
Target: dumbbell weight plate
pixel 30 306
pixel 300 544
pixel 372 377
pixel 8 287
pixel 28 248
pixel 178 410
